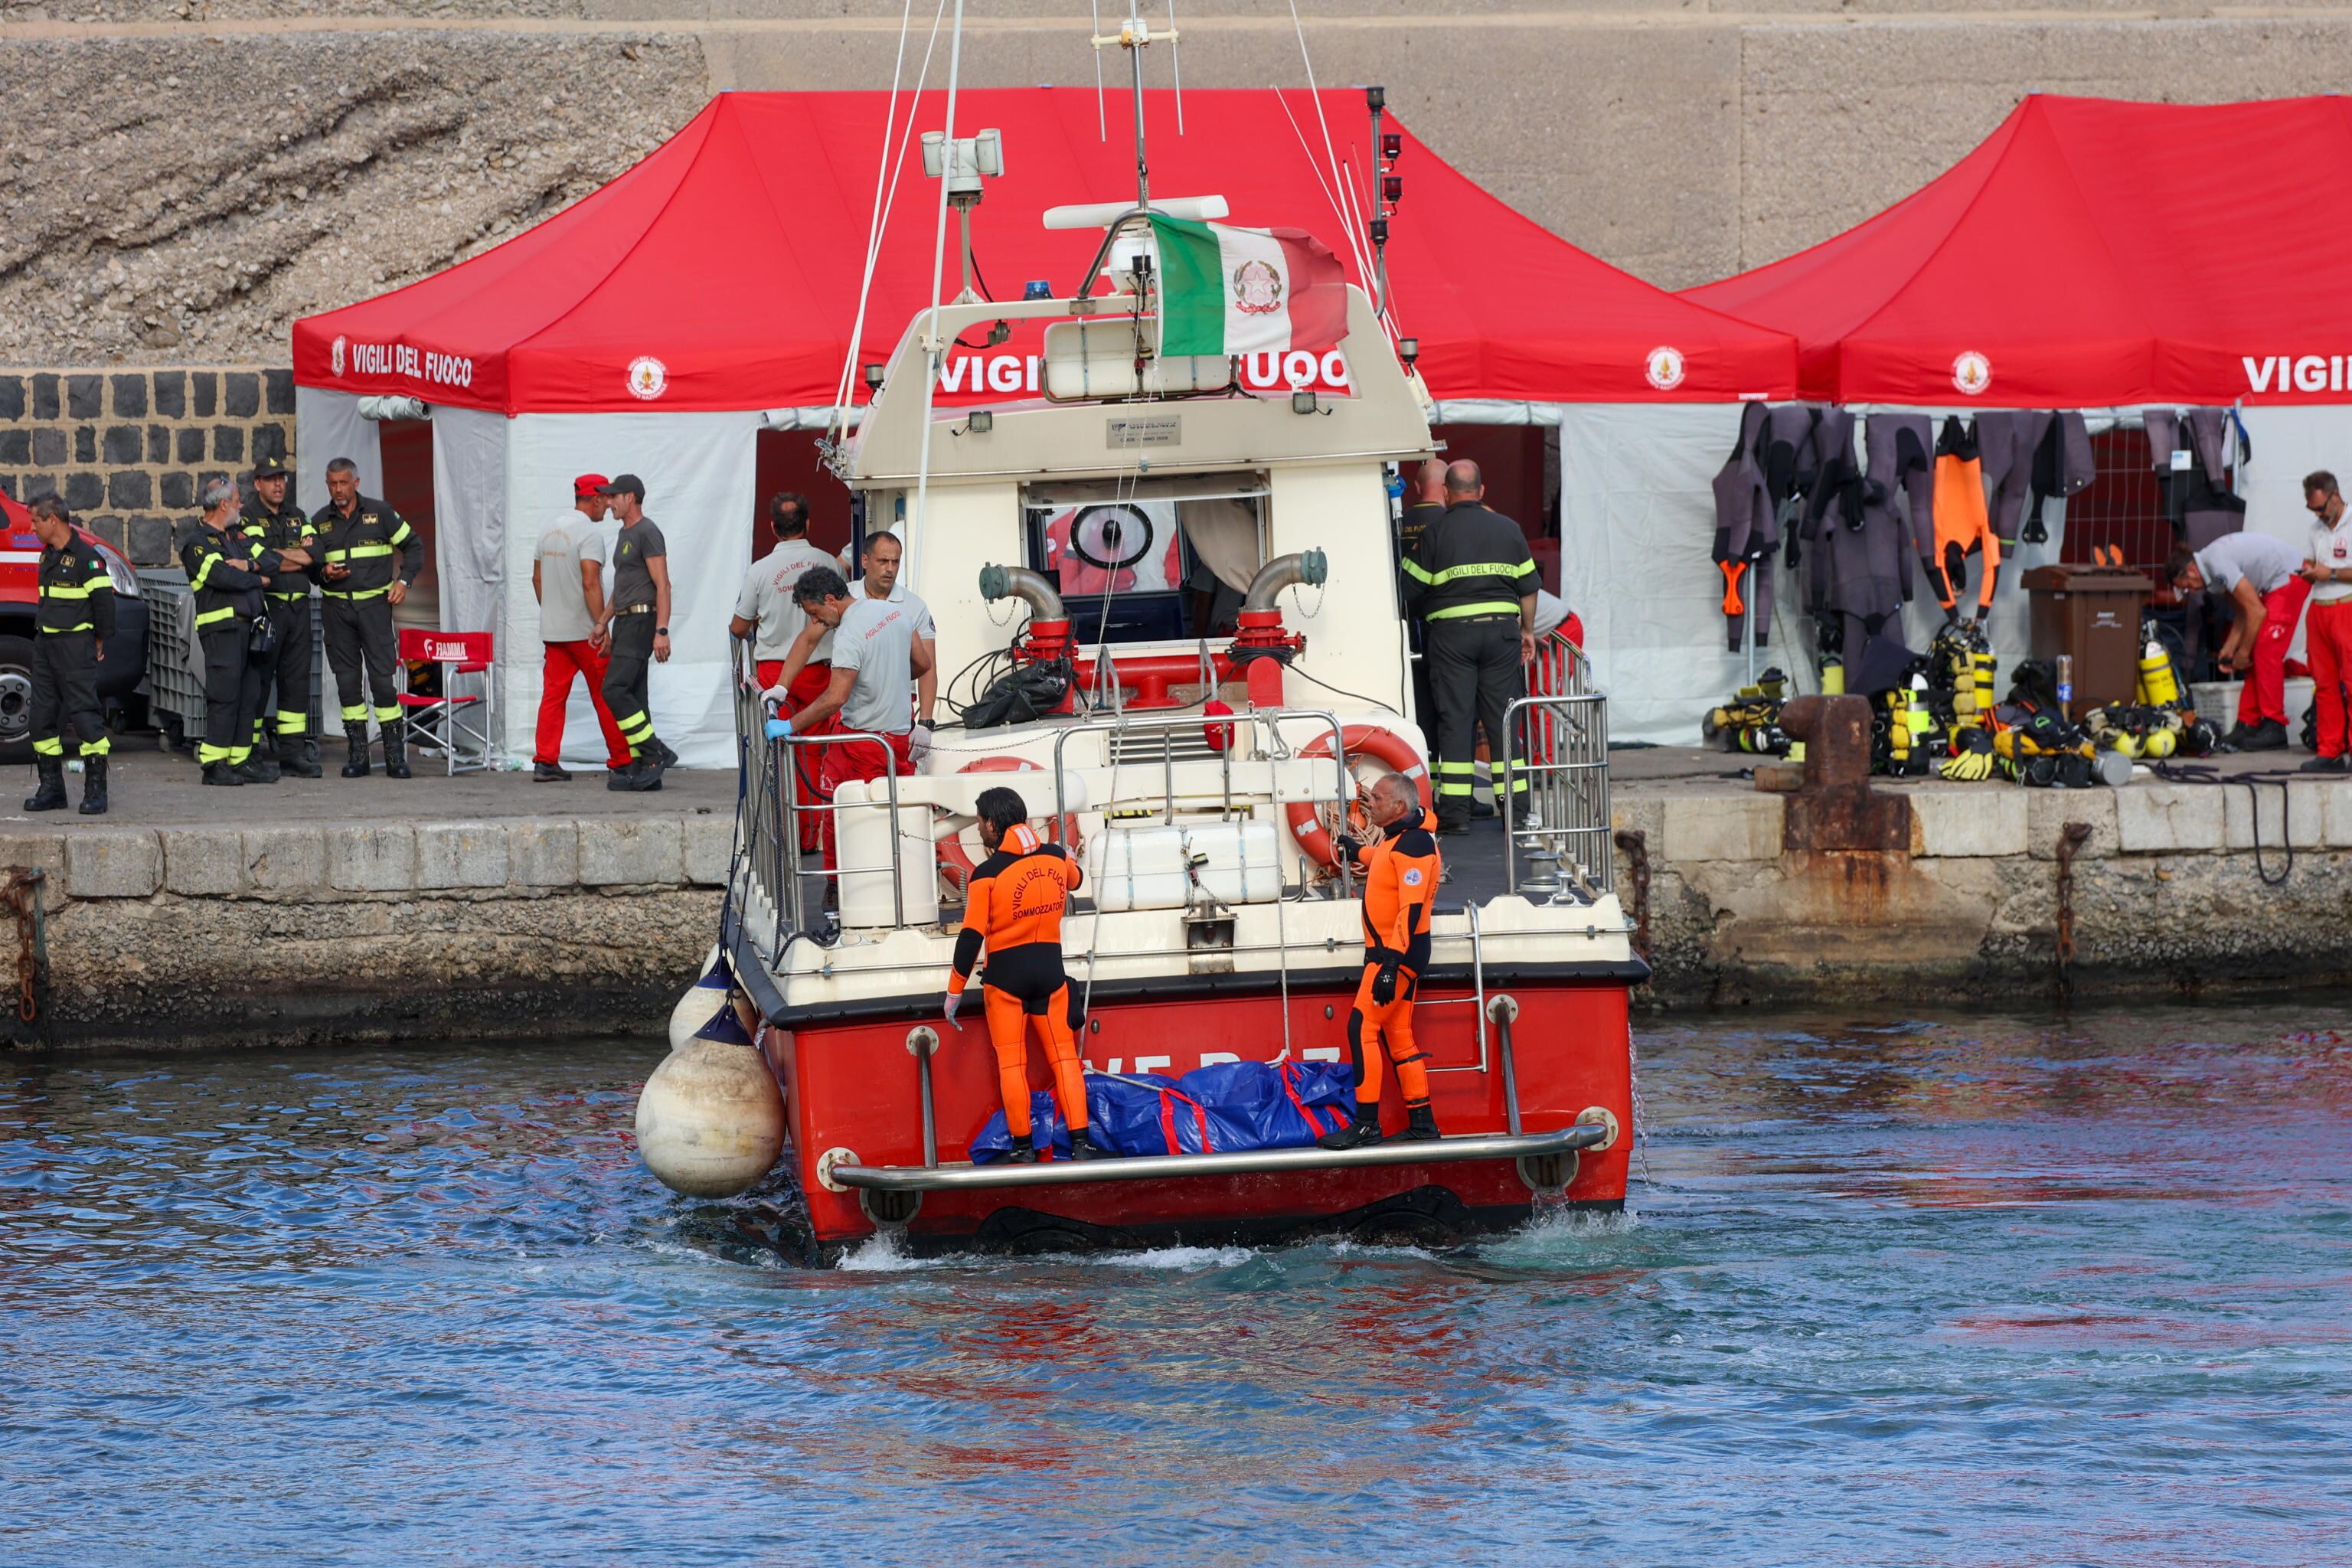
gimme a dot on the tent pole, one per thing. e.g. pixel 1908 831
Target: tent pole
pixel 934 349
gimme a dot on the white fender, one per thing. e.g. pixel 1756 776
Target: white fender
pixel 710 1120
pixel 703 1001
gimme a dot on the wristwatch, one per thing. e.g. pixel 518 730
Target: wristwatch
pixel 661 631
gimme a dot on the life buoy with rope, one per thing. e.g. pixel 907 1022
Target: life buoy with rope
pixel 956 863
pixel 1385 746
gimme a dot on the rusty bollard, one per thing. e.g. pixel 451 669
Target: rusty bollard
pixel 1835 808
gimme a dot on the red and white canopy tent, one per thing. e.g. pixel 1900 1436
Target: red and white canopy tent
pixel 659 324
pixel 2107 257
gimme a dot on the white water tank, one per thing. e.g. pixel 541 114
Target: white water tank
pixel 1145 867
pixel 863 823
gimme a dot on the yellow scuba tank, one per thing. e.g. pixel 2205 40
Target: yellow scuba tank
pixel 1898 730
pixel 1981 668
pixel 1922 720
pixel 1832 679
pixel 2157 689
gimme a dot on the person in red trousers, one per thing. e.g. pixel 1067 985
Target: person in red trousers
pixel 567 577
pixel 2327 623
pixel 2263 578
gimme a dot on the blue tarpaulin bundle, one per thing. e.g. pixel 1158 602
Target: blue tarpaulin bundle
pixel 1224 1109
pixel 1045 1131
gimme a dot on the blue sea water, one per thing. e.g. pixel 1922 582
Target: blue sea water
pixel 1970 1291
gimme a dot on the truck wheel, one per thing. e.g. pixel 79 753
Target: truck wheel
pixel 16 700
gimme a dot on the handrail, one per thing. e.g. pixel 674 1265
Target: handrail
pixel 1564 739
pixel 1253 1161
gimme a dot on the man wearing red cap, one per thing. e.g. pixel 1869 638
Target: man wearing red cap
pixel 568 577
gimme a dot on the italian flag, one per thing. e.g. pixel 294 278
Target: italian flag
pixel 1227 290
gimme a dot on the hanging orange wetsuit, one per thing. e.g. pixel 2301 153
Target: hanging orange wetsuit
pixel 1962 525
pixel 1401 875
pixel 1013 907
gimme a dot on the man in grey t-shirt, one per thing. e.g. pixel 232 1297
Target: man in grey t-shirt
pixel 2258 574
pixel 637 633
pixel 876 658
pixel 567 577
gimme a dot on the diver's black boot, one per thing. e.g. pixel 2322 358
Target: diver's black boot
pixel 396 751
pixel 49 795
pixel 1083 1147
pixel 1423 1127
pixel 1362 1134
pixel 355 737
pixel 93 786
pixel 1023 1153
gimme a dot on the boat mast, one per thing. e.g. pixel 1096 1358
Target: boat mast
pixel 935 348
pixel 1135 36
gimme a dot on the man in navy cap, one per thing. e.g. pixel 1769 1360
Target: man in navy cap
pixel 283 739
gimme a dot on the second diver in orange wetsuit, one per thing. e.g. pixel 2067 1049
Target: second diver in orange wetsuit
pixel 1013 909
pixel 1400 874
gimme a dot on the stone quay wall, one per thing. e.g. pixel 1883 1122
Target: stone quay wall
pixel 2171 896
pixel 129 450
pixel 303 934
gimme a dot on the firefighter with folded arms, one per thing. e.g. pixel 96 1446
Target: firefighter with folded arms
pixel 228 577
pixel 1014 910
pixel 274 522
pixel 360 538
pixel 1401 869
pixel 75 619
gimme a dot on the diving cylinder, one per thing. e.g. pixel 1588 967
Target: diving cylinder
pixel 710 1120
pixel 1898 730
pixel 1832 679
pixel 703 1001
pixel 2157 689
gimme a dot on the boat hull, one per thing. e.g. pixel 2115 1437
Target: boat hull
pixel 852 1092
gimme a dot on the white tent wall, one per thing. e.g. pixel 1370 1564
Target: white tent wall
pixel 327 425
pixel 1637 523
pixel 700 471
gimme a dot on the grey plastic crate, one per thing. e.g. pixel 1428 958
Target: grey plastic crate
pixel 171 614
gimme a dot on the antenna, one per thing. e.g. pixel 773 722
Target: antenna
pixel 1175 64
pixel 1134 37
pixel 1102 121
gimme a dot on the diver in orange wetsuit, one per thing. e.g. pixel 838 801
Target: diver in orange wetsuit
pixel 1014 909
pixel 1401 875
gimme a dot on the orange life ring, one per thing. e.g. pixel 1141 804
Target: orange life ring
pixel 1365 740
pixel 956 863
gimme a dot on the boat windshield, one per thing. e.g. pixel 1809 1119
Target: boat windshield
pixel 1148 561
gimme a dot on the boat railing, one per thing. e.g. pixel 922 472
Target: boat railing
pixel 1559 844
pixel 1560 669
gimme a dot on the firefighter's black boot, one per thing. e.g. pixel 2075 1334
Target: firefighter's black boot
pixel 221 772
pixel 93 786
pixel 1362 1134
pixel 396 751
pixel 50 793
pixel 355 737
pixel 299 756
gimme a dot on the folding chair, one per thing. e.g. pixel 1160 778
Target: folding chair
pixel 454 722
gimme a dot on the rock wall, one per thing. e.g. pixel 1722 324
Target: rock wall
pixel 181 200
pixel 130 450
pixel 187 176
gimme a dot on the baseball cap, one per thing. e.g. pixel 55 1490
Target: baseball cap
pixel 588 484
pixel 270 468
pixel 627 485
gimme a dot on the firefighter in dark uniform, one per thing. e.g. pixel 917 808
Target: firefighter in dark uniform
pixel 75 618
pixel 273 522
pixel 1473 582
pixel 360 538
pixel 226 579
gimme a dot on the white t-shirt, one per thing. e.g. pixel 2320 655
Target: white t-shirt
pixel 2331 547
pixel 876 639
pixel 571 540
pixel 767 599
pixel 2266 561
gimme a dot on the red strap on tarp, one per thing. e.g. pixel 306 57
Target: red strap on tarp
pixel 1285 1073
pixel 1167 1120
